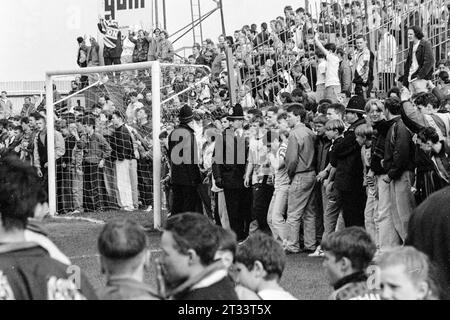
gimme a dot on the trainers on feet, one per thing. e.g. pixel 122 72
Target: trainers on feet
pixel 317 253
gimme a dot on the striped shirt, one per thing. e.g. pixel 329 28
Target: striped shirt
pixel 110 34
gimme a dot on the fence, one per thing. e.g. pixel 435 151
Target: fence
pixel 265 66
pixel 19 90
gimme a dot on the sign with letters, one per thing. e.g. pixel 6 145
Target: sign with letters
pixel 129 13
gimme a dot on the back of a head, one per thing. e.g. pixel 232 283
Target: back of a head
pixel 353 243
pixel 194 231
pixel 120 242
pixel 263 248
pixel 338 107
pixel 393 105
pixel 20 192
pixel 331 47
pixel 424 99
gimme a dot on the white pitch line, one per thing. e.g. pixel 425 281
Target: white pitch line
pixel 100 222
pixel 97 255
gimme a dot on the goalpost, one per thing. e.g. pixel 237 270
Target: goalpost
pixel 155 68
pixel 119 183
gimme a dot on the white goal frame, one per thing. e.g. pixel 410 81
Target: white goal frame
pixel 155 67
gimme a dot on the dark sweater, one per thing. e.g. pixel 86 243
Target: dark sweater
pixel 222 290
pixel 183 153
pixel 347 161
pixel 429 232
pixel 399 150
pixel 378 145
pixel 122 144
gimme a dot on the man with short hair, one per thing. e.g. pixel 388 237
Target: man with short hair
pixel 96 150
pixel 27 271
pixel 425 113
pixel 189 243
pixel 260 263
pixel 300 163
pixel 124 257
pixel 6 107
pixel 40 157
pixel 332 82
pixel 364 62
pixel 348 253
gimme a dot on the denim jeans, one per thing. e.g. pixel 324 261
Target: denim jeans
pixel 403 203
pixel 277 212
pixel 77 189
pixel 300 207
pixel 333 211
pixel 370 217
pixel 387 235
pixel 222 209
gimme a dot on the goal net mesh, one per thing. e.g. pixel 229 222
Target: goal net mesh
pixel 104 137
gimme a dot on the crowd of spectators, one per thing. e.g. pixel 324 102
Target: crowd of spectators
pixel 321 151
pixel 200 261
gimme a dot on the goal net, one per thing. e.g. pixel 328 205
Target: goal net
pixel 105 146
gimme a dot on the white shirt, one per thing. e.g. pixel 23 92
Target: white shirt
pixel 271 294
pixel 321 72
pixel 131 111
pixel 415 63
pixel 332 73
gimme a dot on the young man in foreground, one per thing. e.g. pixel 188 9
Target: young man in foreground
pixel 27 271
pixel 348 253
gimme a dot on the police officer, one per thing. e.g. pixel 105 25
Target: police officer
pixel 183 156
pixel 230 160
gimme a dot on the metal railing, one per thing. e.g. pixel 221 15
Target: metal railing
pixel 386 35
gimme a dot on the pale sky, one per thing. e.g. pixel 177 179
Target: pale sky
pixel 41 35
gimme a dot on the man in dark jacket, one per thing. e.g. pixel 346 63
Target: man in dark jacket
pixel 420 62
pixel 122 153
pixel 399 164
pixel 27 271
pixel 348 179
pixel 230 159
pixel 183 153
pixel 189 244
